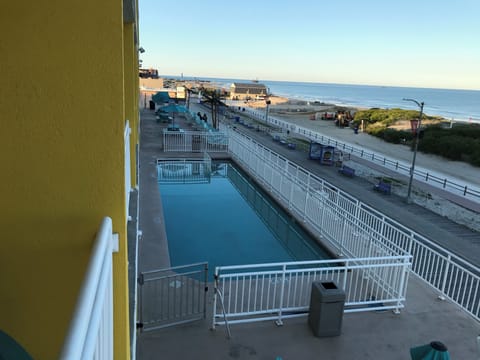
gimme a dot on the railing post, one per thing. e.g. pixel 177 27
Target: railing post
pixel 305 207
pixel 344 285
pixel 444 281
pixel 279 322
pixel 140 282
pixel 292 183
pixel 205 292
pixel 342 239
pixel 401 286
pixel 215 289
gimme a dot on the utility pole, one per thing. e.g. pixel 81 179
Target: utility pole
pixel 415 148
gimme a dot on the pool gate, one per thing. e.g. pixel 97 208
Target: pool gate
pixel 172 296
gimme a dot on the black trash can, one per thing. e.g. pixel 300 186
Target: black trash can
pixel 152 105
pixel 327 302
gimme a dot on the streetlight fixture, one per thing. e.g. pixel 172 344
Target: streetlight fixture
pixel 267 103
pixel 415 148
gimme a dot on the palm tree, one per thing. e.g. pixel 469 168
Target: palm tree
pixel 213 97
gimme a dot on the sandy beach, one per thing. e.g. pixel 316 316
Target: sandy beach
pixel 300 113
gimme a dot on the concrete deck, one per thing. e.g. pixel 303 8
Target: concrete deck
pixel 373 335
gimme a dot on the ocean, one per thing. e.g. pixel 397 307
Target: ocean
pixel 461 105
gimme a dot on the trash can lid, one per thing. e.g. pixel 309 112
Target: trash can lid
pixel 328 291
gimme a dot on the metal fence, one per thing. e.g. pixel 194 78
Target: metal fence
pixel 172 296
pixel 353 228
pixel 90 335
pixel 194 141
pixel 452 185
pixel 260 292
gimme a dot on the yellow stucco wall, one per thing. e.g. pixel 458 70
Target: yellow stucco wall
pixel 62 114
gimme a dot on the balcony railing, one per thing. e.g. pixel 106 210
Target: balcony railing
pixel 90 335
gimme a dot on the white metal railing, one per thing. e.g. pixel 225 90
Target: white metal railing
pixel 353 228
pixel 90 334
pixel 127 164
pixel 282 290
pixel 194 141
pixel 469 191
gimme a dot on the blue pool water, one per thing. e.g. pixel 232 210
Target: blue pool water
pixel 230 221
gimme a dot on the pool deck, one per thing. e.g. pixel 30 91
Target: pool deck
pixel 372 335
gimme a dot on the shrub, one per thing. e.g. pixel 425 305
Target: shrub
pixel 376 129
pixel 461 142
pixel 397 136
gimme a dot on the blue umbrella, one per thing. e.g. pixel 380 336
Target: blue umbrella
pixel 161 97
pixel 173 108
pixel 433 351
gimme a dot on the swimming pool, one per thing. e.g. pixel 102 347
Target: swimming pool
pixel 228 220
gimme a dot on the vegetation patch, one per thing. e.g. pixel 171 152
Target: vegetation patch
pixel 460 142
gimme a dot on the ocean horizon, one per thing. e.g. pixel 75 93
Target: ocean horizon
pixel 452 104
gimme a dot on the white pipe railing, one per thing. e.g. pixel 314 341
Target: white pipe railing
pixel 469 191
pixel 194 141
pixel 127 164
pixel 282 290
pixel 353 228
pixel 90 334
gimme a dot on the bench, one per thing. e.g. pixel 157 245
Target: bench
pixel 384 187
pixel 347 171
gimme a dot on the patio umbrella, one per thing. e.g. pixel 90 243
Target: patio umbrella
pixel 433 351
pixel 161 97
pixel 173 108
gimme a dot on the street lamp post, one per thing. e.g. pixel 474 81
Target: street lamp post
pixel 415 148
pixel 267 103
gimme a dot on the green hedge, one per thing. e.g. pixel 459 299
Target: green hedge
pixel 461 142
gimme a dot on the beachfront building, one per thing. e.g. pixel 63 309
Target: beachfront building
pixel 69 115
pixel 247 91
